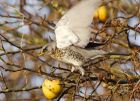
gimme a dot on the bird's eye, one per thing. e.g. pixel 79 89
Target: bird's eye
pixel 45 49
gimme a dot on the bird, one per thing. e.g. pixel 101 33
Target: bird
pixel 73 55
pixel 72 34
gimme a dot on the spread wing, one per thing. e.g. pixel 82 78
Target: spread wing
pixel 74 27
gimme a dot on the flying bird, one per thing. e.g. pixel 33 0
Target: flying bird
pixel 73 34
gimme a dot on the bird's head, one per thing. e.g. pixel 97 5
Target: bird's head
pixel 49 48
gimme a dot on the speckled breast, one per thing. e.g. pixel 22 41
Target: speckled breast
pixel 69 56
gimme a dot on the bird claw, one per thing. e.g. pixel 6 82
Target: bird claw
pixel 72 69
pixel 82 71
pixel 79 68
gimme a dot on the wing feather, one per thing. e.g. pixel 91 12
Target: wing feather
pixel 76 23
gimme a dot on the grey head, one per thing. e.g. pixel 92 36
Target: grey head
pixel 49 47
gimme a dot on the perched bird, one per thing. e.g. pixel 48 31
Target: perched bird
pixel 72 35
pixel 72 55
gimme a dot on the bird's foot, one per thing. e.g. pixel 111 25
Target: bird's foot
pixel 78 68
pixel 72 69
pixel 81 70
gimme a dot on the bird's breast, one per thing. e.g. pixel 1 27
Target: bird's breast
pixel 69 56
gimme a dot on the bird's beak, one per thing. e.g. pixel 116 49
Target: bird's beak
pixel 42 52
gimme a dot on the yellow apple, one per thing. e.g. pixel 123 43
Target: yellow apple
pixel 52 88
pixel 101 13
pixel 57 86
pixel 48 93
